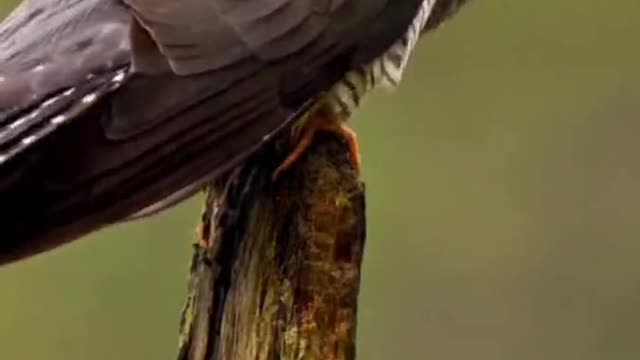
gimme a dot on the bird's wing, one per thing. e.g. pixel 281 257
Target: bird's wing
pixel 217 79
pixel 52 55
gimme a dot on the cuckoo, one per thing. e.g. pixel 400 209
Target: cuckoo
pixel 112 110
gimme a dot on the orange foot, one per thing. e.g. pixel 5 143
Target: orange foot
pixel 321 122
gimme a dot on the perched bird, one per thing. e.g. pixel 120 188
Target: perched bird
pixel 116 109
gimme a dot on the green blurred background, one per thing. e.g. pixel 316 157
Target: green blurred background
pixel 503 197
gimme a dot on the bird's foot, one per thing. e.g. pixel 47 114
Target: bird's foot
pixel 321 122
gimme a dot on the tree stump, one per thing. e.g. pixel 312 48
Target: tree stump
pixel 278 273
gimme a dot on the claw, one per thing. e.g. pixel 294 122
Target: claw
pixel 321 122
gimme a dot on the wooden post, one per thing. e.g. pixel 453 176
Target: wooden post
pixel 281 274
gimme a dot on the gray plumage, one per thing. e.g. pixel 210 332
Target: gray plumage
pixel 107 108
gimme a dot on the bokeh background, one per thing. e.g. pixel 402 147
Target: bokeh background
pixel 504 199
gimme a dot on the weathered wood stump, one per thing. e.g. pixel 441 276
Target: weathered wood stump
pixel 278 274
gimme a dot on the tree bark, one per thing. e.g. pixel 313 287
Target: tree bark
pixel 278 273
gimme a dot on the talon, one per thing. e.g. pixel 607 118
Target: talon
pixel 351 138
pixel 298 150
pixel 321 122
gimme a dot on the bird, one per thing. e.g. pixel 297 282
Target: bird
pixel 112 110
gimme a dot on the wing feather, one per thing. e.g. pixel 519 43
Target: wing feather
pixel 21 129
pixel 241 75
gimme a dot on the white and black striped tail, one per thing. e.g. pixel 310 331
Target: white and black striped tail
pixel 385 71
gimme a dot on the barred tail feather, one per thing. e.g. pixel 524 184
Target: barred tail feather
pixel 386 70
